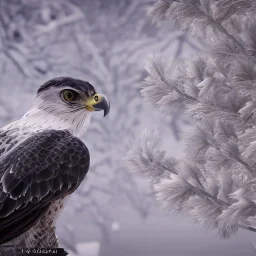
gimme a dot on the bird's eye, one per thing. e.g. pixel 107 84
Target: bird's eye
pixel 96 98
pixel 69 95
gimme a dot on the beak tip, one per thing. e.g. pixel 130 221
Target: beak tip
pixel 106 111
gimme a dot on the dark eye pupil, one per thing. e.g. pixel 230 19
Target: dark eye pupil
pixel 96 98
pixel 70 95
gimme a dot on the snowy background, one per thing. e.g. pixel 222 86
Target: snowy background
pixel 106 42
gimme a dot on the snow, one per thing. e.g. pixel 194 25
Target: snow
pixel 88 249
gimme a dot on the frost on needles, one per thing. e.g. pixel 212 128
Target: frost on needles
pixel 216 182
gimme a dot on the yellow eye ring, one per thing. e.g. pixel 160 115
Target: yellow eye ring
pixel 69 95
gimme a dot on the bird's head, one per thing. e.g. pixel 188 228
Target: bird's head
pixel 67 103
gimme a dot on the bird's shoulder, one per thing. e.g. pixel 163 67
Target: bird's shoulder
pixel 43 163
pixel 43 168
pixel 9 137
pixel 46 149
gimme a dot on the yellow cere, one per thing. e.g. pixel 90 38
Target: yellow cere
pixel 95 99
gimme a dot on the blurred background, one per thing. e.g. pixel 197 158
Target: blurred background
pixel 106 42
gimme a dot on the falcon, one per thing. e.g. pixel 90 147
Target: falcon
pixel 43 161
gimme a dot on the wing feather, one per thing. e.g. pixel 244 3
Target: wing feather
pixel 42 169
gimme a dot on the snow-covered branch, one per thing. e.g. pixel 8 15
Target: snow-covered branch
pixel 216 182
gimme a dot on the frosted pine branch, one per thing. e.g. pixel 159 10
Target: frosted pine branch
pixel 146 158
pixel 201 17
pixel 183 187
pixel 216 182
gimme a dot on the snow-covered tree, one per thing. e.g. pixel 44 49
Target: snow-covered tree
pixel 215 182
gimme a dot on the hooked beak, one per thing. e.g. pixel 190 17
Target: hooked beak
pixel 98 102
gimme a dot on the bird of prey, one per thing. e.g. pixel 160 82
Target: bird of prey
pixel 43 161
